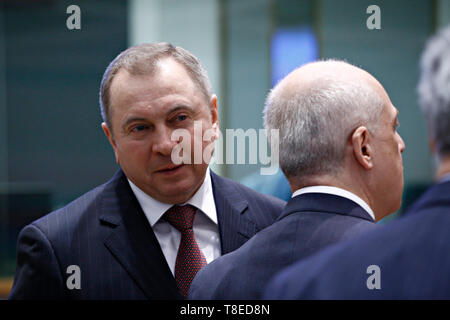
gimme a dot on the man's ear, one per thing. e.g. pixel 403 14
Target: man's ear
pixel 110 137
pixel 214 114
pixel 362 148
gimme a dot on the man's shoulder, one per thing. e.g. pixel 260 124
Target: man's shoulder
pixel 85 208
pixel 388 247
pixel 351 225
pixel 226 184
pixel 436 197
pixel 384 242
pixel 261 209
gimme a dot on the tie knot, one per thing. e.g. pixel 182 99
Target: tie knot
pixel 181 217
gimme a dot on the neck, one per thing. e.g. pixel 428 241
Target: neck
pixel 348 183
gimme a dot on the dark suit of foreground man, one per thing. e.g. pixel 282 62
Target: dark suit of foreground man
pixel 412 254
pixel 341 153
pixel 146 232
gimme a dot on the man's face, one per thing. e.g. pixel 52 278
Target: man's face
pixel 145 110
pixel 388 160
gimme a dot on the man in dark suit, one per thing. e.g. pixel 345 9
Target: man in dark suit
pixel 146 232
pixel 341 153
pixel 434 101
pixel 407 259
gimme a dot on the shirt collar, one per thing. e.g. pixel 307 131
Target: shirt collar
pixel 203 199
pixel 338 192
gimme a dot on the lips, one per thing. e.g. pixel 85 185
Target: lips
pixel 169 169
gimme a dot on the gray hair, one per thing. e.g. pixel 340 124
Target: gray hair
pixel 434 89
pixel 142 60
pixel 315 122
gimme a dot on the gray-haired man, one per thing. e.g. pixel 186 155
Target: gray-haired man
pixel 408 258
pixel 342 156
pixel 434 99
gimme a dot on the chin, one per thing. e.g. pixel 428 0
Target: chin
pixel 181 193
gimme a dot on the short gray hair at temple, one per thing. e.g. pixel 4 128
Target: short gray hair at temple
pixel 315 123
pixel 143 60
pixel 434 90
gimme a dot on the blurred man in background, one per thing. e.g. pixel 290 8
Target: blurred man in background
pixel 434 99
pixel 407 259
pixel 342 155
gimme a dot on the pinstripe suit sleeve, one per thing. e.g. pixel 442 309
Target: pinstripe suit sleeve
pixel 38 275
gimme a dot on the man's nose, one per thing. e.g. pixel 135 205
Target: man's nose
pixel 162 143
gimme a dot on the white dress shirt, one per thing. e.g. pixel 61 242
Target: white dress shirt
pixel 338 192
pixel 205 227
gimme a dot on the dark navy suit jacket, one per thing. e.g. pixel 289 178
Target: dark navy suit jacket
pixel 106 234
pixel 309 223
pixel 436 196
pixel 413 254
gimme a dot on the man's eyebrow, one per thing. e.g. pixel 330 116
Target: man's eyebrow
pixel 131 120
pixel 172 110
pixel 396 116
pixel 180 107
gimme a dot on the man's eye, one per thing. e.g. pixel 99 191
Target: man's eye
pixel 139 128
pixel 181 117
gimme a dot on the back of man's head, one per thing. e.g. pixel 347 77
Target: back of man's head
pixel 316 108
pixel 434 90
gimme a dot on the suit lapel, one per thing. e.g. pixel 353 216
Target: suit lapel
pixel 235 227
pixel 133 243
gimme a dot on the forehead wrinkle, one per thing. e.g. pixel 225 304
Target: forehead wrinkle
pixel 180 107
pixel 142 91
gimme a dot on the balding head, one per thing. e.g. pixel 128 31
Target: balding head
pixel 309 75
pixel 316 108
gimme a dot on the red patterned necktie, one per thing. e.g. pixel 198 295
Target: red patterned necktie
pixel 190 258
